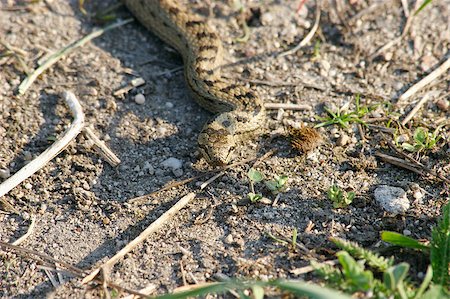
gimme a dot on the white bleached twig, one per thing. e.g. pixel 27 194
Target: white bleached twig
pixel 59 145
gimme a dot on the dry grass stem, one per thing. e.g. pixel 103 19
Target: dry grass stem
pixel 153 227
pixel 309 36
pixel 59 145
pixel 425 81
pixel 26 83
pixel 101 148
pixel 287 106
pixel 416 108
pixel 28 233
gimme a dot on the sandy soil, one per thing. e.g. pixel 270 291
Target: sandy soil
pixel 84 207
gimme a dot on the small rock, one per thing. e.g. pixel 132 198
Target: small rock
pixel 392 199
pixel 5 173
pixel 427 62
pixel 139 99
pixel 407 232
pixel 229 239
pixel 265 201
pixel 443 104
pixel 169 105
pixel 418 194
pixel 173 163
pixel 342 140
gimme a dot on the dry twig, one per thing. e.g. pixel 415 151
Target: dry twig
pixel 26 83
pixel 425 81
pixel 309 36
pixel 59 145
pixel 28 233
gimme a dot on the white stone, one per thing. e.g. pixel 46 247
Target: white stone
pixel 5 173
pixel 139 99
pixel 392 199
pixel 172 163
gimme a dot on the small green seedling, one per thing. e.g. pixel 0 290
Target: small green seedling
pixel 344 119
pixel 423 140
pixel 278 185
pixel 255 177
pixel 339 197
pixel 316 53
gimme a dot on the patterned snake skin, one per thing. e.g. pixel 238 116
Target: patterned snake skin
pixel 239 110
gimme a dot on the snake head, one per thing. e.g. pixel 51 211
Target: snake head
pixel 217 140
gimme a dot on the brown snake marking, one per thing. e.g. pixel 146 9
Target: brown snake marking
pixel 240 111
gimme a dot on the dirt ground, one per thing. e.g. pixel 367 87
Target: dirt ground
pixel 83 206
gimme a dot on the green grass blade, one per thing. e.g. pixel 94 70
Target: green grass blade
pixel 311 290
pixel 211 288
pixel 440 249
pixel 424 4
pixel 401 240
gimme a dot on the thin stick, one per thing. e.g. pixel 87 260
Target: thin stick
pixel 153 227
pixel 398 162
pixel 309 36
pixel 28 233
pixel 413 112
pixel 101 148
pixel 285 84
pixel 287 106
pixel 59 145
pixel 416 163
pixel 425 81
pixel 26 83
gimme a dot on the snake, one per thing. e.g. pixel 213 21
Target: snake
pixel 239 111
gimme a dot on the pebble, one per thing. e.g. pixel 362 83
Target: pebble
pixel 28 186
pixel 342 140
pixel 407 232
pixel 173 163
pixel 169 105
pixel 392 199
pixel 229 239
pixel 443 104
pixel 139 99
pixel 5 173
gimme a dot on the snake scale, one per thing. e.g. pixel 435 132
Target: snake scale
pixel 239 111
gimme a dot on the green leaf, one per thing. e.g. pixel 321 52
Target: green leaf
pixel 424 4
pixel 311 290
pixel 354 272
pixel 258 292
pixel 254 197
pixel 425 283
pixel 403 241
pixel 436 292
pixel 394 276
pixel 217 287
pixel 271 185
pixel 420 135
pixel 408 147
pixel 440 248
pixel 255 175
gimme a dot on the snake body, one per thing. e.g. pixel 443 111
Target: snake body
pixel 239 111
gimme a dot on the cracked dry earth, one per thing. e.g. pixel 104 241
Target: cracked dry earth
pixel 84 207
